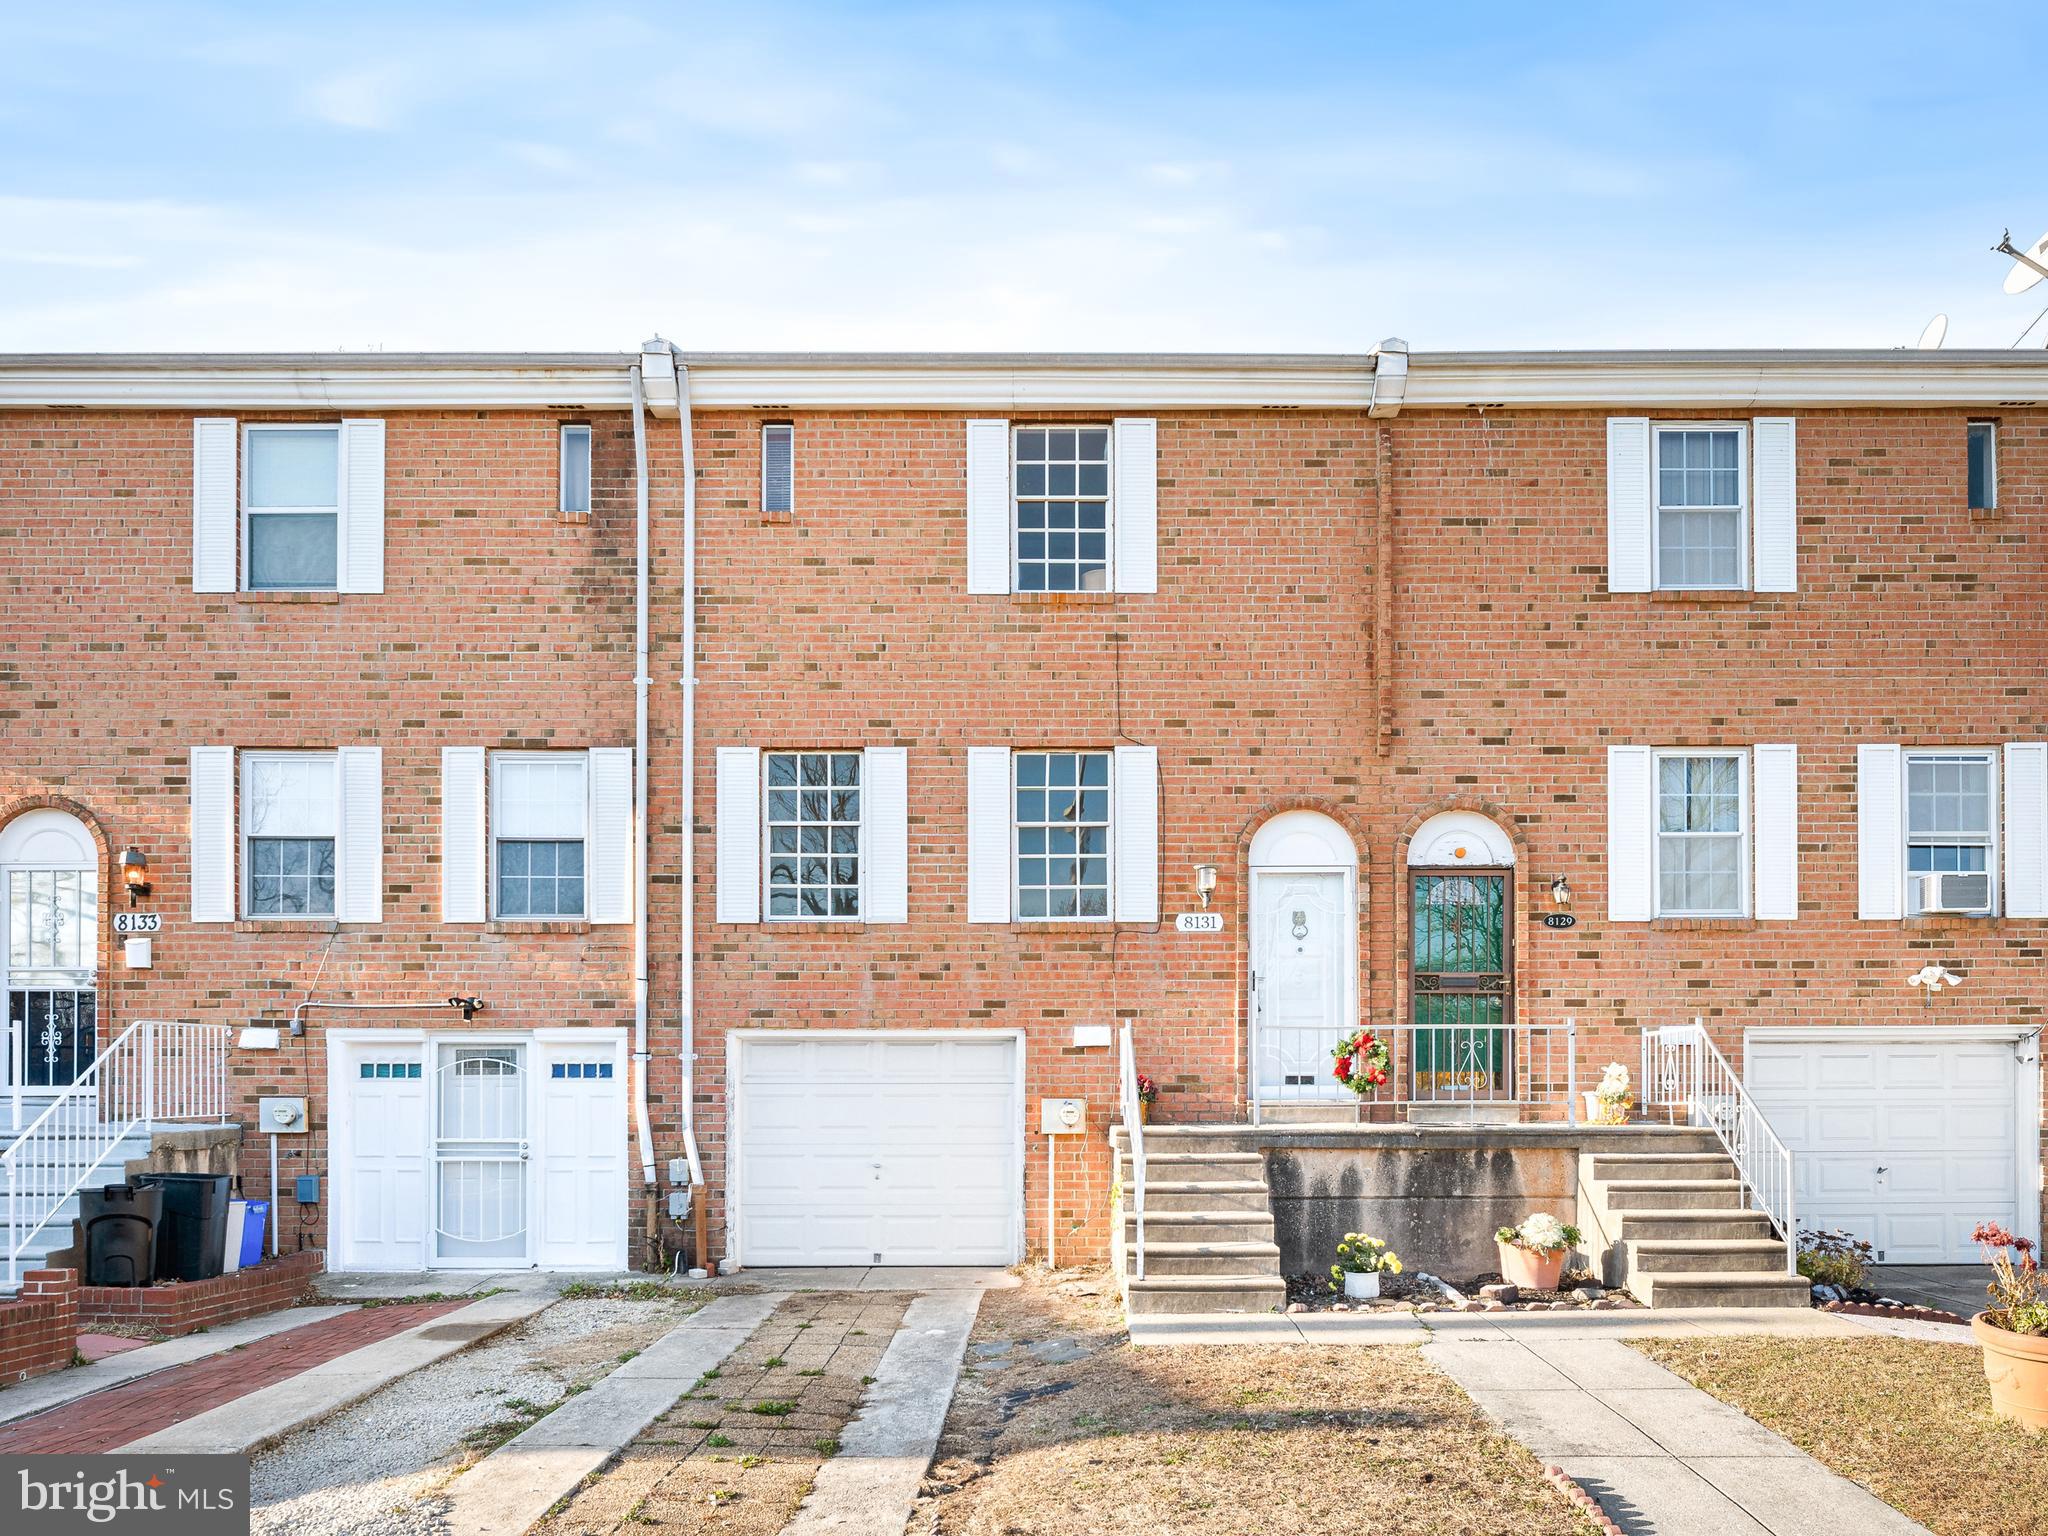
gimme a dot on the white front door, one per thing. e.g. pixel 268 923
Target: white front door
pixel 1303 958
pixel 877 1149
pixel 582 1155
pixel 481 1152
pixel 383 1212
pixel 1908 1144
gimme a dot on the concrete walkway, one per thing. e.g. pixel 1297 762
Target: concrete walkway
pixel 1660 1455
pixel 508 1492
pixel 1168 1328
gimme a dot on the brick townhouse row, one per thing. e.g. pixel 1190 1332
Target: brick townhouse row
pixel 805 883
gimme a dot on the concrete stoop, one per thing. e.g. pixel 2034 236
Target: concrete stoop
pixel 1671 1227
pixel 1208 1225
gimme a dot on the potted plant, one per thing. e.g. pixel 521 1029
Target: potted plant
pixel 2014 1328
pixel 1147 1092
pixel 1361 1260
pixel 1363 1062
pixel 1610 1103
pixel 1532 1255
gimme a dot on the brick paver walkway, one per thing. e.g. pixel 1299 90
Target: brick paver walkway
pixel 124 1413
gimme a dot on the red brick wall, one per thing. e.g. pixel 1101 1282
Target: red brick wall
pixel 39 1327
pixel 181 1307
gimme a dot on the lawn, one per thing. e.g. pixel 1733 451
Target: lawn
pixel 1060 1428
pixel 1911 1421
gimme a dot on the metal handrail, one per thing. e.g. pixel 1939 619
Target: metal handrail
pixel 1134 1129
pixel 1518 1065
pixel 154 1072
pixel 1682 1067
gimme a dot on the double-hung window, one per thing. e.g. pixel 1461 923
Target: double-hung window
pixel 814 834
pixel 290 820
pixel 1062 834
pixel 539 821
pixel 1702 507
pixel 1062 509
pixel 292 507
pixel 1951 831
pixel 1702 834
pixel 575 468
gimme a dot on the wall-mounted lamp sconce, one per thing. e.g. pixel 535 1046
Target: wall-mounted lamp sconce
pixel 1205 883
pixel 1561 892
pixel 135 874
pixel 468 1005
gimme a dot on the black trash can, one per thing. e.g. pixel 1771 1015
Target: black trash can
pixel 120 1226
pixel 192 1235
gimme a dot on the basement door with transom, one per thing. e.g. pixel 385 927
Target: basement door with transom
pixel 860 1149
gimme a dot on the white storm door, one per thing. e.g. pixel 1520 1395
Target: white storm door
pixel 481 1153
pixel 581 1090
pixel 1302 937
pixel 1908 1144
pixel 384 1093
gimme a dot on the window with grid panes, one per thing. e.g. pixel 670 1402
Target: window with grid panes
pixel 1951 819
pixel 1700 507
pixel 539 814
pixel 1062 501
pixel 1062 833
pixel 813 806
pixel 290 818
pixel 1700 835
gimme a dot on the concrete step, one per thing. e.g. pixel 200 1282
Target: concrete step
pixel 1624 1195
pixel 1624 1166
pixel 1701 1256
pixel 1649 1226
pixel 1161 1166
pixel 1204 1293
pixel 1758 1288
pixel 1245 1261
pixel 1200 1226
pixel 1204 1195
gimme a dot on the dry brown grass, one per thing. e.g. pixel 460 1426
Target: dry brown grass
pixel 1911 1421
pixel 1216 1441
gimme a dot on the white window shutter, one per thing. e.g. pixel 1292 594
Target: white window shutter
pixel 1776 497
pixel 1136 513
pixel 1880 832
pixel 610 863
pixel 1774 788
pixel 988 834
pixel 739 835
pixel 212 774
pixel 361 542
pixel 359 889
pixel 885 824
pixel 216 505
pixel 1631 813
pixel 2026 829
pixel 463 864
pixel 988 506
pixel 1134 830
pixel 1631 556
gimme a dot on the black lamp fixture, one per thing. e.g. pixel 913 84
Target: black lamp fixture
pixel 135 874
pixel 468 1005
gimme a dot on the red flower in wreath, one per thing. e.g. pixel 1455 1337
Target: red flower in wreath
pixel 1363 1062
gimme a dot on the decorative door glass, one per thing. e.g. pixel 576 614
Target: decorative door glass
pixel 1459 985
pixel 52 919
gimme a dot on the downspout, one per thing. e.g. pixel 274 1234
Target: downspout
pixel 686 1003
pixel 642 1130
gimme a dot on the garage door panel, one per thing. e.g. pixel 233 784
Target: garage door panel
pixel 1983 1070
pixel 1775 1071
pixel 1845 1072
pixel 1913 1237
pixel 1835 1125
pixel 1835 1177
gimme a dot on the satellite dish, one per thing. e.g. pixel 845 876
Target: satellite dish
pixel 1931 338
pixel 2022 277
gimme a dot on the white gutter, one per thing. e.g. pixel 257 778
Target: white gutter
pixel 686 1001
pixel 643 1131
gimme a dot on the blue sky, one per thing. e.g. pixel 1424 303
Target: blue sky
pixel 1172 177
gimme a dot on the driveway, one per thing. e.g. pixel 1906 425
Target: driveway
pixel 1957 1288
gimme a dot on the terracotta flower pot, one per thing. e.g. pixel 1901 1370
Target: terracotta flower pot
pixel 2016 1365
pixel 1529 1268
pixel 1144 1111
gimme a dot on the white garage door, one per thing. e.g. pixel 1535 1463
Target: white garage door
pixel 1906 1143
pixel 877 1149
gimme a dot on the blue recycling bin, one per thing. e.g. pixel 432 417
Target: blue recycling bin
pixel 253 1222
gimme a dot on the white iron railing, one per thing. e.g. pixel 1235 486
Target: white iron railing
pixel 1134 1132
pixel 1475 1069
pixel 156 1072
pixel 1691 1081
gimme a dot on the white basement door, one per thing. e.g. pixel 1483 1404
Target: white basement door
pixel 385 1224
pixel 583 1131
pixel 1907 1144
pixel 877 1149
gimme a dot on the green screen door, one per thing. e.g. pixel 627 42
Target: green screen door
pixel 1459 983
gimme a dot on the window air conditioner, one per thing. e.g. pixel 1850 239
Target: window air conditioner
pixel 1953 891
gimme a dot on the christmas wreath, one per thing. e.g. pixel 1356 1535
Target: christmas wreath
pixel 1363 1062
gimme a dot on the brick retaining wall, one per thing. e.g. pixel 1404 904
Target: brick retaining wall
pixel 185 1306
pixel 39 1327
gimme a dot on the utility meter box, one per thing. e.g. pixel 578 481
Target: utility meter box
pixel 282 1117
pixel 1063 1117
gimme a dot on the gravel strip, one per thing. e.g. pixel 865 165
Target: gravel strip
pixel 375 1469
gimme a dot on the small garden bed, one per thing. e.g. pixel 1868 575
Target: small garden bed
pixel 1423 1292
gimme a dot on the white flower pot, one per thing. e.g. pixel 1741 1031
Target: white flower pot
pixel 1359 1287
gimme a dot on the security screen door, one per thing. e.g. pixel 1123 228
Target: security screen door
pixel 480 1155
pixel 1458 983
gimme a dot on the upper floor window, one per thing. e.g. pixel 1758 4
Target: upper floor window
pixel 778 468
pixel 292 502
pixel 1702 507
pixel 1702 834
pixel 1983 465
pixel 813 826
pixel 1062 502
pixel 1951 832
pixel 1062 834
pixel 291 816
pixel 539 820
pixel 575 468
